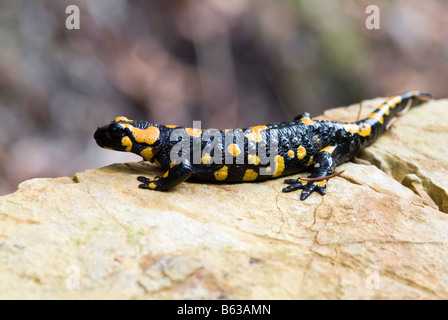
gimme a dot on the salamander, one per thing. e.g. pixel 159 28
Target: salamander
pixel 256 153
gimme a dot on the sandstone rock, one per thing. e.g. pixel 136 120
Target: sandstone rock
pixel 380 232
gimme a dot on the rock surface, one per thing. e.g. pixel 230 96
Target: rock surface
pixel 380 232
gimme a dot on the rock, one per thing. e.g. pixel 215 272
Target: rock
pixel 380 232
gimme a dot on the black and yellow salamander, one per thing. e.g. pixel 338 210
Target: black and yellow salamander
pixel 256 153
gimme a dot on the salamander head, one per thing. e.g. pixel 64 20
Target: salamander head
pixel 122 134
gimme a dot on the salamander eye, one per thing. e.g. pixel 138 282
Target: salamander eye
pixel 115 131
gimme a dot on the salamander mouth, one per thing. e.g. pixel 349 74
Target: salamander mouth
pixel 101 137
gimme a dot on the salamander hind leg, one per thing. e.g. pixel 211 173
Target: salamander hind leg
pixel 171 178
pixel 324 164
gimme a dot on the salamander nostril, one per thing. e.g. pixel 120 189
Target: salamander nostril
pixel 97 134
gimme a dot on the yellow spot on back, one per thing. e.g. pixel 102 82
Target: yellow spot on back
pixel 255 133
pixel 279 165
pixel 364 130
pixel 310 162
pixel 250 175
pixel 157 162
pixel 233 149
pixel 351 127
pixel 385 109
pixel 126 142
pixel 376 116
pixel 166 174
pixel 117 119
pixel 301 152
pixel 206 158
pixel 147 153
pixel 148 135
pixel 307 121
pixel 171 126
pixel 328 149
pixel 221 174
pixel 194 132
pixel 172 164
pixel 253 159
pixel 291 153
pixel 393 101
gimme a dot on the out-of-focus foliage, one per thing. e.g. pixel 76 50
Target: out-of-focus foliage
pixel 231 63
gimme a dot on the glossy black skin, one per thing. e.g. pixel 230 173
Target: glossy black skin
pixel 314 136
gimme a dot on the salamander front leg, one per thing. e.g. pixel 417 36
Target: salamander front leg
pixel 171 178
pixel 323 169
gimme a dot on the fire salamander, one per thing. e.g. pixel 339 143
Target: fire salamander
pixel 256 153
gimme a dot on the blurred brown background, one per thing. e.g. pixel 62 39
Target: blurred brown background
pixel 229 63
